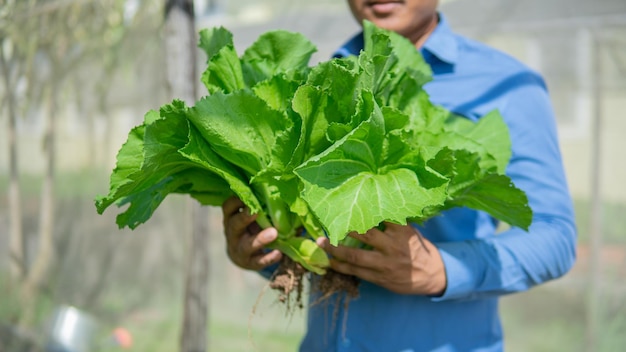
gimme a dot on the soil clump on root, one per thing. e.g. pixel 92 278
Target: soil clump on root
pixel 288 280
pixel 336 282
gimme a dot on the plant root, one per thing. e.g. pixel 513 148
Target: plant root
pixel 288 280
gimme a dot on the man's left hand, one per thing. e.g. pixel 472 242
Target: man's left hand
pixel 400 260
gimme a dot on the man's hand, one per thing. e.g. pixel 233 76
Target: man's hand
pixel 401 260
pixel 244 238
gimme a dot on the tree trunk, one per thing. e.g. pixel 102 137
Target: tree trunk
pixel 194 332
pixel 16 234
pixel 38 275
pixel 180 44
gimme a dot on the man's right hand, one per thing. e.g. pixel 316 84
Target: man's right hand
pixel 245 241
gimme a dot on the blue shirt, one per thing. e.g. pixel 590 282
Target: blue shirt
pixel 470 79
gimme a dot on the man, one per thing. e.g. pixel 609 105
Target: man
pixel 435 287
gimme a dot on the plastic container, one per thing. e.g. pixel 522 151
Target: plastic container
pixel 71 330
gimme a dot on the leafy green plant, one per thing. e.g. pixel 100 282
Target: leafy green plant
pixel 342 146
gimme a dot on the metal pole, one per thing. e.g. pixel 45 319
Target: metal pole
pixel 594 306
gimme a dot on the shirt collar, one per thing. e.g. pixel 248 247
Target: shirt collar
pixel 441 43
pixel 352 47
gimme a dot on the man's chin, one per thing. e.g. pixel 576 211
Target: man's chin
pixel 389 23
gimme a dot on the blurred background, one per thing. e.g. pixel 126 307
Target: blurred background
pixel 76 76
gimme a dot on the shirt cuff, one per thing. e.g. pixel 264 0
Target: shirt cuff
pixel 267 272
pixel 463 269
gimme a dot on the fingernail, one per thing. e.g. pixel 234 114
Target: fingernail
pixel 269 234
pixel 276 255
pixel 321 241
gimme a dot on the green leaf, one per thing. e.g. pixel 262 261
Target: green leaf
pixel 276 52
pixel 232 180
pixel 144 184
pixel 368 198
pixel 339 147
pixel 144 200
pixel 481 189
pixel 390 62
pixel 310 103
pixel 347 191
pixel 129 160
pixel 245 131
pixel 277 92
pixel 338 81
pixel 489 137
pixel 213 40
pixel 498 196
pixel 223 72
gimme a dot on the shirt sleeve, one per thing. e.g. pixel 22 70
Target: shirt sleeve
pixel 268 271
pixel 516 260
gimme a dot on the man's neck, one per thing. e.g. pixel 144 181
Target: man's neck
pixel 423 34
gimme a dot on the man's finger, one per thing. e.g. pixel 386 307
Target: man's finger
pixel 258 242
pixel 366 274
pixel 232 205
pixel 253 247
pixel 373 237
pixel 354 256
pixel 236 225
pixel 263 260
